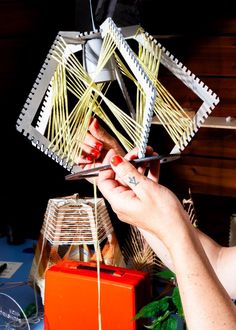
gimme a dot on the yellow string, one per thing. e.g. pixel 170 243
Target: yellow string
pixel 98 257
pixel 67 130
pixel 73 127
pixel 169 112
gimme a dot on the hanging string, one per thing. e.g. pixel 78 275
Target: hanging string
pixel 98 257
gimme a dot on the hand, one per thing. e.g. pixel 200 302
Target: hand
pixel 97 144
pixel 141 201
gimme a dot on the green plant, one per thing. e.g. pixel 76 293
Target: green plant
pixel 163 313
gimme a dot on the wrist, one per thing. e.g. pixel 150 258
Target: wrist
pixel 178 233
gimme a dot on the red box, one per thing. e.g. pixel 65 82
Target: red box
pixel 71 296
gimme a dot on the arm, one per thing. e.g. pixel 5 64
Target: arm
pixel 205 301
pixel 222 259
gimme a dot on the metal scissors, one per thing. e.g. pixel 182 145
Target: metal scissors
pixel 94 171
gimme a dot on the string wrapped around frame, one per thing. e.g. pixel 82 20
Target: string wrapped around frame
pixel 56 115
pixel 138 254
pixel 71 230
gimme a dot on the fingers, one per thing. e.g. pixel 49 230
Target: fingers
pixel 106 179
pixel 92 146
pixel 128 174
pixel 97 143
pixel 108 173
pixel 154 170
pixel 103 136
pixel 91 150
pixel 92 142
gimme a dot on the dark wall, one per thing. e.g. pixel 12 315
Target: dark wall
pixel 27 31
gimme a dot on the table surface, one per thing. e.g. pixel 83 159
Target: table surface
pixel 15 290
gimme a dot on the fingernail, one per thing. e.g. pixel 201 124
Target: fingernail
pixel 98 146
pixel 96 124
pixel 89 158
pixel 133 157
pixel 94 152
pixel 116 160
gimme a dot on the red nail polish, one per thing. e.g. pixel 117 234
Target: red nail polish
pixel 98 146
pixel 89 158
pixel 133 157
pixel 96 125
pixel 94 152
pixel 116 160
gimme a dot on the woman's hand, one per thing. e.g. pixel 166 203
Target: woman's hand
pixel 139 200
pixel 97 144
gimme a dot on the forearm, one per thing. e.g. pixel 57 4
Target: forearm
pixel 220 258
pixel 210 247
pixel 206 303
pixel 159 248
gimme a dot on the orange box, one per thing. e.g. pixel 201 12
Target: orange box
pixel 71 296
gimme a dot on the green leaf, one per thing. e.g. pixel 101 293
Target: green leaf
pixel 152 309
pixel 149 310
pixel 164 322
pixel 154 327
pixel 177 301
pixel 157 326
pixel 170 324
pixel 166 274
